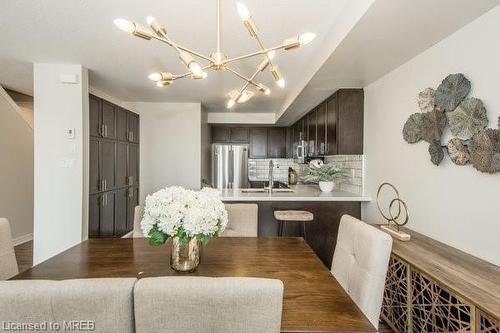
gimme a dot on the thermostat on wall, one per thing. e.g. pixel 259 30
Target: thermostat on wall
pixel 69 78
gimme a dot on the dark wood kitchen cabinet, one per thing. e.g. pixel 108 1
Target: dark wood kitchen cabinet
pixel 108 120
pixel 331 126
pixel 321 129
pixel 225 134
pixel 258 142
pixel 312 132
pixel 276 142
pixel 336 125
pixel 113 168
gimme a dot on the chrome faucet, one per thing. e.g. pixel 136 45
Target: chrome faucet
pixel 271 176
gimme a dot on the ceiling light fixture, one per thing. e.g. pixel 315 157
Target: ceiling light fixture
pixel 217 60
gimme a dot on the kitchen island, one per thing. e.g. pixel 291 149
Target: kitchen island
pixel 328 208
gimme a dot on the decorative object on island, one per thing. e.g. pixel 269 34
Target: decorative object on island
pixel 190 218
pixel 393 226
pixel 218 61
pixel 324 175
pixel 468 121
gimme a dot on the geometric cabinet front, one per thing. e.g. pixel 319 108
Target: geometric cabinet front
pixel 413 303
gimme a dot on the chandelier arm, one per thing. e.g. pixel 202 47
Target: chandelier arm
pixel 181 76
pixel 259 41
pixel 248 82
pixel 180 47
pixel 254 54
pixel 244 78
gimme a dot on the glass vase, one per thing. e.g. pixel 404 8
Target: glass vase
pixel 185 257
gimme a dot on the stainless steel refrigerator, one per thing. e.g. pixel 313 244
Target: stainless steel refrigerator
pixel 229 165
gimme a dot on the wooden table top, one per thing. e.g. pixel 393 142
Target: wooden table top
pixel 313 300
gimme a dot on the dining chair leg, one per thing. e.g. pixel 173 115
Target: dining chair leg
pixel 283 229
pixel 304 230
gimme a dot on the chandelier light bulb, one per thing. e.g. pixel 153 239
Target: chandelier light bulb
pixel 267 91
pixel 243 11
pixel 125 25
pixel 155 77
pixel 306 38
pixel 230 104
pixel 281 83
pixel 150 20
pixel 195 68
pixel 245 96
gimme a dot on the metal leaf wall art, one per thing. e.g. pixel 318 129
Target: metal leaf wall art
pixel 485 150
pixel 427 100
pixel 458 152
pixel 452 91
pixel 468 120
pixel 436 152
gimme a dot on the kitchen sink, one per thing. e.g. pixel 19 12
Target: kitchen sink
pixel 261 190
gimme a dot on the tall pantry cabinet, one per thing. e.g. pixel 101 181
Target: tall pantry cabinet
pixel 114 168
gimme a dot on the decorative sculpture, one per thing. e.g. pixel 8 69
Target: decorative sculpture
pixel 452 91
pixel 485 150
pixel 411 129
pixel 458 152
pixel 433 124
pixel 427 100
pixel 426 126
pixel 436 152
pixel 469 118
pixel 394 225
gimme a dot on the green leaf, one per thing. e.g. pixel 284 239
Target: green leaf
pixel 156 237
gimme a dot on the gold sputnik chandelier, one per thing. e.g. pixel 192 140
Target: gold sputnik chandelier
pixel 218 61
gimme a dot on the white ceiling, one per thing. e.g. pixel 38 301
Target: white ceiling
pixel 390 33
pixel 76 31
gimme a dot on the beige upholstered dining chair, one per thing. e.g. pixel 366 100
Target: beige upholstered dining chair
pixel 8 262
pixel 360 264
pixel 136 232
pixel 108 303
pixel 204 304
pixel 242 220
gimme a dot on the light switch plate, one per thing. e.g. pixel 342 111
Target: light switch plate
pixel 70 133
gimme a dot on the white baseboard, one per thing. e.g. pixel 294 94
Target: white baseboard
pixel 22 239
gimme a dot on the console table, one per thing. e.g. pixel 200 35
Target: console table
pixel 433 287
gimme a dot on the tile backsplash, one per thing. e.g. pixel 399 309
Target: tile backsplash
pixel 258 169
pixel 353 166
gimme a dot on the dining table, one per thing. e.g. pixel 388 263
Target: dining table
pixel 313 300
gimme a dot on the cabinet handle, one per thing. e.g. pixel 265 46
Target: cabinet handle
pixel 102 200
pixel 130 180
pixel 106 130
pixel 131 136
pixel 101 187
pixel 105 184
pixel 105 199
pixel 130 193
pixel 103 134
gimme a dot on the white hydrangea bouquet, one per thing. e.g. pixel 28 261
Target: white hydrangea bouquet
pixel 183 214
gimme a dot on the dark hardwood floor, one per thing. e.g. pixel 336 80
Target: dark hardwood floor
pixel 24 255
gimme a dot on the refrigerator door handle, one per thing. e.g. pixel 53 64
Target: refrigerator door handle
pixel 231 167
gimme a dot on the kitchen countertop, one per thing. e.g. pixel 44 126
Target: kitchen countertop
pixel 300 193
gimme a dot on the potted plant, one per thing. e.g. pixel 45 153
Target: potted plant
pixel 190 218
pixel 324 175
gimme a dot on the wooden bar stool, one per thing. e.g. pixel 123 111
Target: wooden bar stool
pixel 295 216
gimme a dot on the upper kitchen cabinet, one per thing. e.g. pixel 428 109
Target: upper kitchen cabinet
pixel 108 124
pixel 335 126
pixel 349 127
pixel 258 142
pixel 312 133
pixel 276 142
pixel 331 125
pixel 95 113
pixel 321 129
pixel 121 124
pixel 133 127
pixel 221 134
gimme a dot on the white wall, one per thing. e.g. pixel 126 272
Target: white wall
pixel 453 204
pixel 61 188
pixel 170 137
pixel 16 169
pixel 206 148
